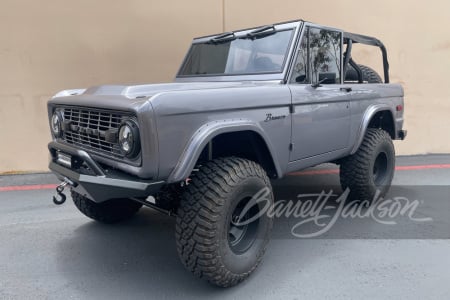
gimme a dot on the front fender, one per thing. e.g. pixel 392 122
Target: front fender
pixel 205 134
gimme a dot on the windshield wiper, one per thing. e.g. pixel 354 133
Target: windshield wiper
pixel 223 38
pixel 261 32
pixel 255 34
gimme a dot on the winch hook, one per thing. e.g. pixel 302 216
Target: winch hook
pixel 60 198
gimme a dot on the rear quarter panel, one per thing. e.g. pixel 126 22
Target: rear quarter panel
pixel 367 96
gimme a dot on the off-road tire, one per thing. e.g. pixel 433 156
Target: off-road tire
pixel 204 215
pixel 371 168
pixel 111 211
pixel 369 74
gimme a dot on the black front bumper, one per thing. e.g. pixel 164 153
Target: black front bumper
pixel 99 185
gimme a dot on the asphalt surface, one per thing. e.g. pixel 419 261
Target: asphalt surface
pixel 54 252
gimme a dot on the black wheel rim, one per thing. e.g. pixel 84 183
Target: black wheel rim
pixel 242 237
pixel 380 168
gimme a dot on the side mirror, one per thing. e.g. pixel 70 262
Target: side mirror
pixel 327 78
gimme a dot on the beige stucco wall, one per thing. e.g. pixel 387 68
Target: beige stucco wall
pixel 47 46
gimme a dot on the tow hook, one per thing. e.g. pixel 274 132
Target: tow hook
pixel 60 198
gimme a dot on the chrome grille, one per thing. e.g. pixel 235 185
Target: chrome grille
pixel 86 128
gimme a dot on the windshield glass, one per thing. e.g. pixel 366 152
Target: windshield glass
pixel 266 54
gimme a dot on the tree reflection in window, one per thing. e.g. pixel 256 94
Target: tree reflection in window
pixel 323 48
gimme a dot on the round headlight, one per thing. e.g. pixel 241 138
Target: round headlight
pixel 56 124
pixel 129 138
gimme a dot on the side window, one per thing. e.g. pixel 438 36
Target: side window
pixel 318 57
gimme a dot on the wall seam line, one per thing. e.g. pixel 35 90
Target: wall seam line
pixel 223 15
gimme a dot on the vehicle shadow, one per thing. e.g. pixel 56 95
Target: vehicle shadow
pixel 139 257
pixel 135 256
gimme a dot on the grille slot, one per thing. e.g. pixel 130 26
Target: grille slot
pixel 88 127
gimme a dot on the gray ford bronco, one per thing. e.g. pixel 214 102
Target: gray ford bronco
pixel 246 107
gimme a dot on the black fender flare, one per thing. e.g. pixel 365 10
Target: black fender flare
pixel 205 134
pixel 367 117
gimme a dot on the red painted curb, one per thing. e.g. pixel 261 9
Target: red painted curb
pixel 27 187
pixel 301 173
pixel 423 167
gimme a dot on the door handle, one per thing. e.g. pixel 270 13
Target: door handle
pixel 346 89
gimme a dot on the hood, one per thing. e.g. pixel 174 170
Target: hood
pixel 149 90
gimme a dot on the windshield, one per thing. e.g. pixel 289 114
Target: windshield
pixel 238 56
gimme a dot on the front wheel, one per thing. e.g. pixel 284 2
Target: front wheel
pixel 368 173
pixel 221 230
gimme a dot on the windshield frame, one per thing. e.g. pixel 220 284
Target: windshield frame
pixel 295 26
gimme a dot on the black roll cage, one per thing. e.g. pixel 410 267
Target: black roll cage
pixel 352 38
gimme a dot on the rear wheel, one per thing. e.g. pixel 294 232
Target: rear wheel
pixel 221 232
pixel 111 211
pixel 370 170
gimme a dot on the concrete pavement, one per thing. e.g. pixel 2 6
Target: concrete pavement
pixel 54 252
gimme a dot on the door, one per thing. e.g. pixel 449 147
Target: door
pixel 321 103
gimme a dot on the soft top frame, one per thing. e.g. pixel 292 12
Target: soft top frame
pixel 353 38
